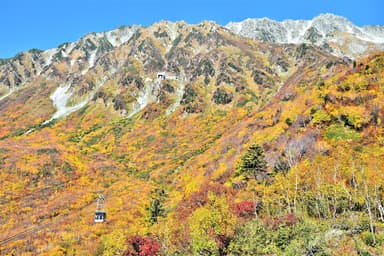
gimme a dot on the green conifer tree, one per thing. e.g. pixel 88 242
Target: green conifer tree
pixel 253 163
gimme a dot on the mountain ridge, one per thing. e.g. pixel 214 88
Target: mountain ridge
pixel 84 52
pixel 202 141
pixel 322 30
pixel 228 25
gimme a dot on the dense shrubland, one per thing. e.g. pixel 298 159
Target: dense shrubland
pixel 242 167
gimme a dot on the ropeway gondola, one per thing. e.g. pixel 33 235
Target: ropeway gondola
pixel 100 214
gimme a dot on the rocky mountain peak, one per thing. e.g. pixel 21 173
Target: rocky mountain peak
pixel 334 33
pixel 175 45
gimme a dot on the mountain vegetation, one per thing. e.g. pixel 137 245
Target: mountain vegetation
pixel 203 142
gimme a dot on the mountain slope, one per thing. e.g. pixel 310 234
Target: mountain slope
pixel 161 121
pixel 205 64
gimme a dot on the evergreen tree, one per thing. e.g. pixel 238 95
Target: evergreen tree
pixel 155 208
pixel 253 163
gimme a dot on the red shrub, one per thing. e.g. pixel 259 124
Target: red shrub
pixel 142 246
pixel 245 209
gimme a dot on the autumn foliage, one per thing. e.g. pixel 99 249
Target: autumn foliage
pixel 142 246
pixel 245 209
pixel 275 164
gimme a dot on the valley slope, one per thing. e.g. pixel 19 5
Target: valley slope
pixel 162 119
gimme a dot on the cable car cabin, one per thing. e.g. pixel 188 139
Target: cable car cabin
pixel 100 214
pixel 100 217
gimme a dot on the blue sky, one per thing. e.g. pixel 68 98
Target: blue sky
pixel 43 24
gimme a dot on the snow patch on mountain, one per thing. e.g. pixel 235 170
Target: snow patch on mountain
pixel 92 59
pixel 48 56
pixel 60 99
pixel 72 62
pixel 172 29
pixel 374 33
pixel 91 62
pixel 6 95
pixel 121 35
pixel 67 49
pixel 146 96
pixel 179 95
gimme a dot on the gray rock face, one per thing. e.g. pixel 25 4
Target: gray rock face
pixel 343 36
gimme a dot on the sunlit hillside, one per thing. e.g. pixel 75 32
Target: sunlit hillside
pixel 202 141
